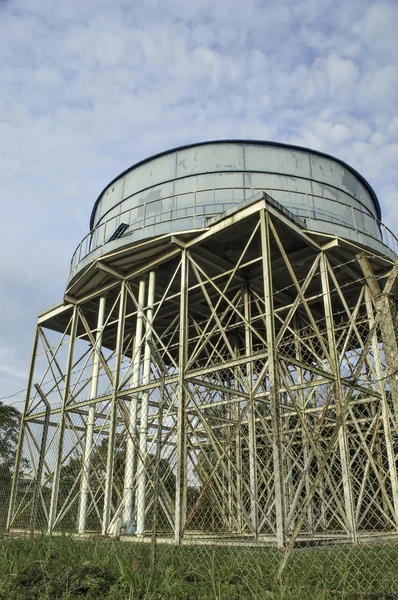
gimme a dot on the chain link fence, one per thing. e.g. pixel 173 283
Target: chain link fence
pixel 252 438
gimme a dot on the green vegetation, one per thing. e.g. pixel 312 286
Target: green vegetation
pixel 60 567
pixel 10 419
pixel 9 427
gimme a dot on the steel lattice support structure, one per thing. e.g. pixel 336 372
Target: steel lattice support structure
pixel 238 383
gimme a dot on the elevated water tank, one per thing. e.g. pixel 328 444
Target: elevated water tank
pixel 225 352
pixel 178 190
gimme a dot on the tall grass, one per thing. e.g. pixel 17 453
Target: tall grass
pixel 65 568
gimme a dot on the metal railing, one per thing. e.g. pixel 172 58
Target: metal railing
pixel 190 205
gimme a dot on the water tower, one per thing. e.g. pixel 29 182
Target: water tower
pixel 223 362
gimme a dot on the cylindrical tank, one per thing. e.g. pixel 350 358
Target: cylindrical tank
pixel 178 190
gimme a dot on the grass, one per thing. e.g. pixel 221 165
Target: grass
pixel 64 568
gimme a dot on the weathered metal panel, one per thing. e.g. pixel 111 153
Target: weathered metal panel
pixel 212 157
pixel 112 196
pixel 207 179
pixel 153 173
pixel 364 196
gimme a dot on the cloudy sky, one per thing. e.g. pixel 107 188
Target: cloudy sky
pixel 88 87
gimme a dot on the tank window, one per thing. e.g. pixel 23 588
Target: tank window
pixel 119 231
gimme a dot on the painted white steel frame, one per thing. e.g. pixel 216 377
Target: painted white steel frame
pixel 275 408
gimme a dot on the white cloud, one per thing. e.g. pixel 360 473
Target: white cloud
pixel 88 88
pixel 342 74
pixel 377 30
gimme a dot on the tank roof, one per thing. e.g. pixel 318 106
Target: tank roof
pixel 241 141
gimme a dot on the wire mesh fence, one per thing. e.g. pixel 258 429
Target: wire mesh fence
pixel 242 427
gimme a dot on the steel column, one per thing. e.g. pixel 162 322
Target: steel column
pixel 301 404
pixel 40 464
pixel 251 415
pixel 18 457
pixel 277 444
pixel 114 411
pixel 129 470
pixel 61 426
pixel 392 467
pixel 181 466
pixel 85 485
pixel 383 300
pixel 340 403
pixel 385 307
pixel 143 433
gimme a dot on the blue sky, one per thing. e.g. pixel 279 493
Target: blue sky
pixel 89 87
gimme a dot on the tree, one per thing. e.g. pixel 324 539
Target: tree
pixel 10 419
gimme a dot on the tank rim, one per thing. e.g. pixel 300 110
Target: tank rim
pixel 241 141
